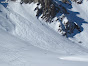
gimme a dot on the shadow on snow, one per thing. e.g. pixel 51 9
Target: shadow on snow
pixel 72 16
pixel 4 4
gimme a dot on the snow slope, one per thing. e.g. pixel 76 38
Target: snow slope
pixel 24 40
pixel 28 28
pixel 16 52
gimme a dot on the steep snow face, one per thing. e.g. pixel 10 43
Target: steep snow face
pixel 21 22
pixel 30 29
pixel 36 40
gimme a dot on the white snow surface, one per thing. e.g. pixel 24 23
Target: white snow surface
pixel 26 41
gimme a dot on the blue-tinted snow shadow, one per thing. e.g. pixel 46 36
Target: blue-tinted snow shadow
pixel 68 6
pixel 0 11
pixel 4 4
pixel 72 16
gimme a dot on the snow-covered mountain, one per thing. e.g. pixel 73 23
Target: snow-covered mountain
pixel 26 40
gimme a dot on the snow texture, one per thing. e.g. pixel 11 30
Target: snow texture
pixel 26 41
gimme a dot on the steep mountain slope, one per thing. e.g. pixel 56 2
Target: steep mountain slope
pixel 28 28
pixel 25 40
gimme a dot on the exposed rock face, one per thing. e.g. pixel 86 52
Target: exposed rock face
pixel 35 1
pixel 48 9
pixel 13 0
pixel 65 1
pixel 67 27
pixel 77 1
